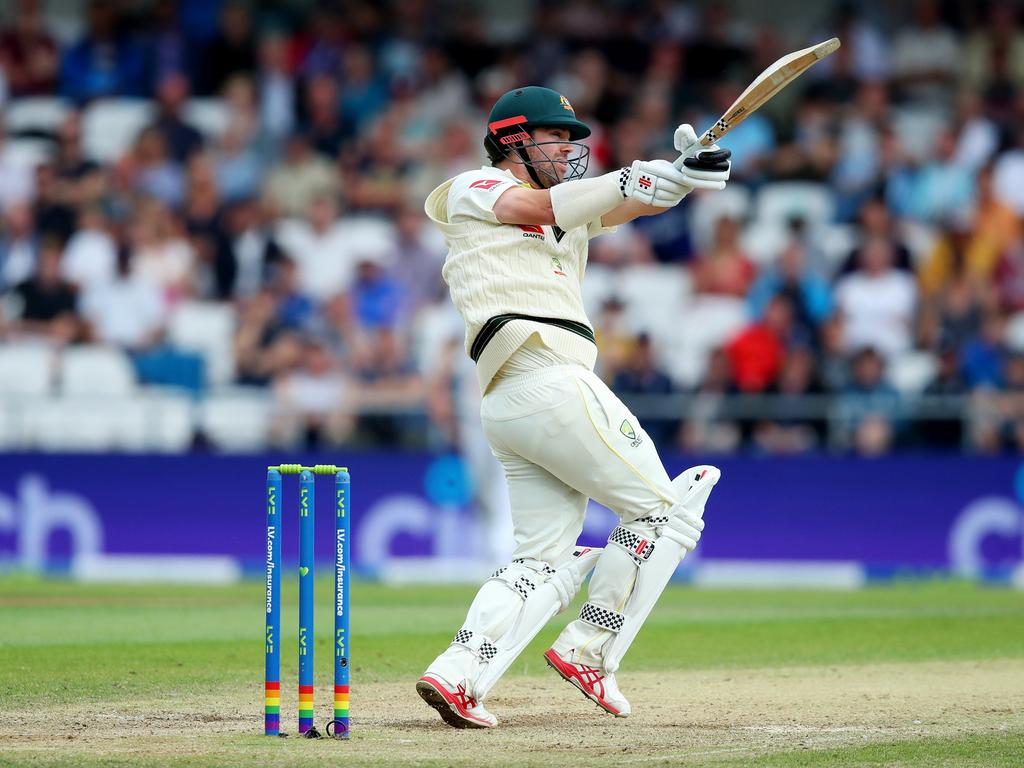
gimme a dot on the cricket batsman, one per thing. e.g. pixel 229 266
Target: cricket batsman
pixel 517 234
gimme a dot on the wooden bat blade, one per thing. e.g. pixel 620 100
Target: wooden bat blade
pixel 766 85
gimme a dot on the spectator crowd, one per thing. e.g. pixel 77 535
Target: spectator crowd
pixel 859 286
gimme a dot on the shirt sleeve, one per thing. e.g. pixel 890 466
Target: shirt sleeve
pixel 473 195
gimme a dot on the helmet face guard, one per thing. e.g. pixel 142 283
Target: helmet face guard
pixel 510 139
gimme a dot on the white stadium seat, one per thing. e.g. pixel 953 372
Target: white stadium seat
pixel 207 328
pixel 1015 332
pixel 910 372
pixel 110 126
pixel 96 370
pixel 708 323
pixel 169 421
pixel 237 419
pixel 653 294
pixel 781 201
pixel 35 114
pixel 26 369
pixel 208 116
pixel 707 209
pixel 29 152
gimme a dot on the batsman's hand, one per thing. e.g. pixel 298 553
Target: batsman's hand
pixel 654 182
pixel 703 167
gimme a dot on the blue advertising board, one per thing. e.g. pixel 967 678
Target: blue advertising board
pixel 199 512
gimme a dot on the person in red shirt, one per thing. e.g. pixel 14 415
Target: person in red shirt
pixel 757 353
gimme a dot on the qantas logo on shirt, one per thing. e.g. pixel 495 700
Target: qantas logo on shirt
pixel 532 230
pixel 485 184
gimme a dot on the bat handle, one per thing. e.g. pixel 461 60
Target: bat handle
pixel 704 141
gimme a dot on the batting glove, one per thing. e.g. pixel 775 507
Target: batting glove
pixel 654 182
pixel 703 167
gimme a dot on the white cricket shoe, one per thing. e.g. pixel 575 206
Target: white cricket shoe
pixel 597 686
pixel 457 708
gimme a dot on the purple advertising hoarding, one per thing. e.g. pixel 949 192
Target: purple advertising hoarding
pixel 203 513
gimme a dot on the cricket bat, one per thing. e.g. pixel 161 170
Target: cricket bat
pixel 765 86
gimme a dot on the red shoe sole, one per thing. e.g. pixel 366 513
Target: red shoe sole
pixel 432 692
pixel 569 674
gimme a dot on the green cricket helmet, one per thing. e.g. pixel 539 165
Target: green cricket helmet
pixel 517 114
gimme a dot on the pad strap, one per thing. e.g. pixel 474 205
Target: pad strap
pixel 634 545
pixel 477 643
pixel 604 618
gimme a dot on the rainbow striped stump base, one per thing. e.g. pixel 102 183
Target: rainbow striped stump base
pixel 305 708
pixel 340 730
pixel 272 709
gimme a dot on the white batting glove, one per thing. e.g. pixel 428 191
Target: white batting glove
pixel 654 182
pixel 703 167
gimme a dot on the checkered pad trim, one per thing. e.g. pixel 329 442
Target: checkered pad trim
pixel 463 636
pixel 498 573
pixel 545 568
pixel 523 586
pixel 487 650
pixel 651 520
pixel 602 617
pixel 635 546
pixel 623 180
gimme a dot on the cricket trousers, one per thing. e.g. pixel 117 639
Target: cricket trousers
pixel 563 437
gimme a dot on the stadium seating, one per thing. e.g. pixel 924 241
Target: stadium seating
pixel 96 370
pixel 208 328
pixel 110 126
pixel 35 115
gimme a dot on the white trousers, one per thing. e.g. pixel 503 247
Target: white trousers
pixel 563 437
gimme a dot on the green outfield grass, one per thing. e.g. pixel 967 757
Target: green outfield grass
pixel 69 646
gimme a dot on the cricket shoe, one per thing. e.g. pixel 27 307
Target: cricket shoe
pixel 453 704
pixel 597 686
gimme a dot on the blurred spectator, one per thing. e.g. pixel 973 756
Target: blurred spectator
pixel 614 338
pixel 376 183
pixel 724 269
pixel 997 416
pixel 170 50
pixel 54 213
pixel 707 429
pixel 925 56
pixel 153 171
pixel 994 53
pixel 276 87
pixel 244 267
pixel 378 300
pixel 870 407
pixel 324 125
pixel 388 382
pixel 162 253
pixel 364 95
pixel 299 178
pixel 939 189
pixel 642 376
pixel 19 246
pixel 977 135
pixel 104 62
pixel 869 51
pixel 984 354
pixel 947 382
pixel 81 181
pixel 127 310
pixel 28 53
pixel 807 291
pixel 796 425
pixel 48 303
pixel 1009 277
pixel 877 302
pixel 419 257
pixel 268 340
pixel 180 138
pixel 321 248
pixel 975 248
pixel 91 257
pixel 756 354
pixel 233 49
pixel 325 45
pixel 310 399
pixel 876 222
